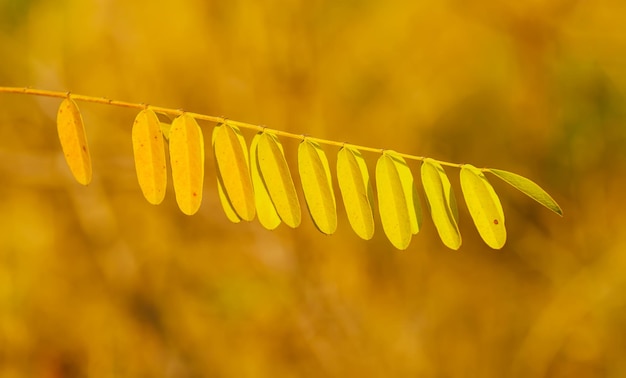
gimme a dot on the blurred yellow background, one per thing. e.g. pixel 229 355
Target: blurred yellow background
pixel 95 282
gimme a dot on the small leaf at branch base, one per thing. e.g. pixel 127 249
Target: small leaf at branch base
pixel 484 206
pixel 149 154
pixel 356 191
pixel 187 160
pixel 317 186
pixel 277 179
pixel 231 156
pixel 74 141
pixel 442 202
pixel 392 203
pixel 529 188
pixel 265 210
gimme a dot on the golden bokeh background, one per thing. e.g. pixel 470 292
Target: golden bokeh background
pixel 95 282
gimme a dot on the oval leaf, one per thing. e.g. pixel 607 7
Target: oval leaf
pixel 442 202
pixel 484 206
pixel 410 192
pixel 394 213
pixel 277 179
pixel 317 185
pixel 74 141
pixel 231 155
pixel 356 191
pixel 529 188
pixel 265 210
pixel 149 153
pixel 187 160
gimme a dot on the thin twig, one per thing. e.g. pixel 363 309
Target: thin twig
pixel 177 112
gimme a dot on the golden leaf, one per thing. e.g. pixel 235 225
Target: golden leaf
pixel 74 141
pixel 529 188
pixel 392 204
pixel 400 209
pixel 149 154
pixel 356 191
pixel 187 160
pixel 265 210
pixel 442 202
pixel 231 155
pixel 484 206
pixel 277 179
pixel 317 185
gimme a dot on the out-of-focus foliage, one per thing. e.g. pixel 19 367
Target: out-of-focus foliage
pixel 95 281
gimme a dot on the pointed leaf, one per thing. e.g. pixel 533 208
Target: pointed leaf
pixel 187 160
pixel 442 202
pixel 231 155
pixel 265 210
pixel 277 179
pixel 484 206
pixel 74 141
pixel 149 153
pixel 317 185
pixel 529 188
pixel 394 213
pixel 356 191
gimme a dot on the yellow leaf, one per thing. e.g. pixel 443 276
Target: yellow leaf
pixel 187 160
pixel 73 141
pixel 230 213
pixel 277 179
pixel 442 202
pixel 317 185
pixel 165 129
pixel 149 153
pixel 484 206
pixel 265 210
pixel 529 188
pixel 231 155
pixel 356 191
pixel 228 208
pixel 394 213
pixel 410 192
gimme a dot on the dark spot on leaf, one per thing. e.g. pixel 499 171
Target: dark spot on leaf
pixel 495 221
pixel 84 148
pixel 195 194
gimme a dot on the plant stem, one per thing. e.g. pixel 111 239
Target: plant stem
pixel 177 112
